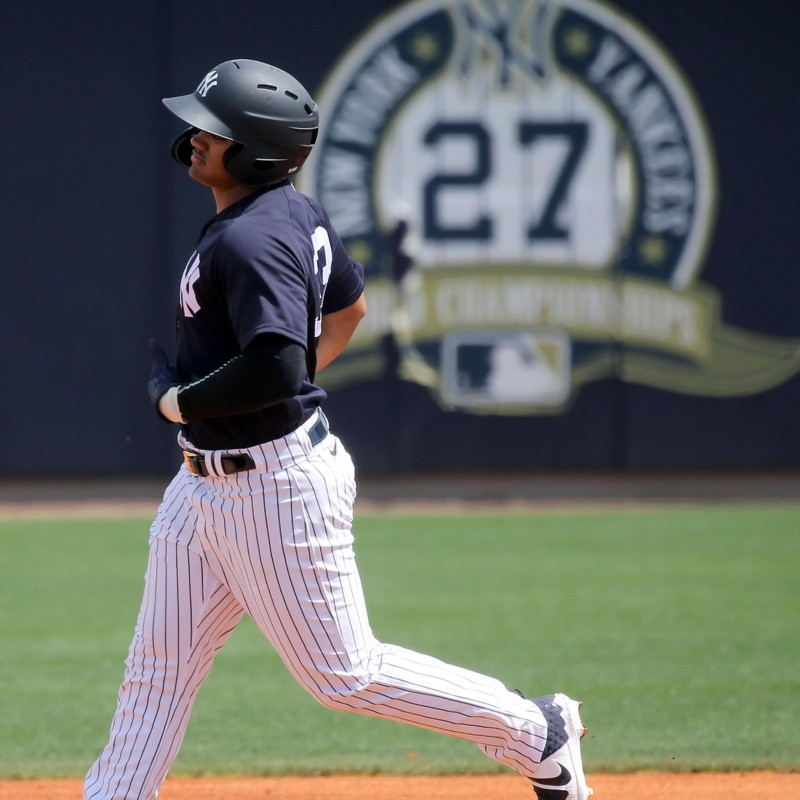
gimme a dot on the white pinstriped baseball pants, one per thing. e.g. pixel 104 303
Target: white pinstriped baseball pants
pixel 276 542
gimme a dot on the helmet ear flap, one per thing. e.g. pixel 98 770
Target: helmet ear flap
pixel 247 170
pixel 181 147
pixel 229 155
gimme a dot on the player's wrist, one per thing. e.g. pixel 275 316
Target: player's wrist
pixel 169 407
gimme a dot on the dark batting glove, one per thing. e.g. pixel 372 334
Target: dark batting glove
pixel 163 377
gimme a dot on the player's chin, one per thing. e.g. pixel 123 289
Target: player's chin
pixel 199 174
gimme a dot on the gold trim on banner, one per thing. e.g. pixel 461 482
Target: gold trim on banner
pixel 668 339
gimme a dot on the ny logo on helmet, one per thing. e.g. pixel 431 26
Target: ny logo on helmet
pixel 207 82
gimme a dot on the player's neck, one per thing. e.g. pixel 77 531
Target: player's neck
pixel 230 195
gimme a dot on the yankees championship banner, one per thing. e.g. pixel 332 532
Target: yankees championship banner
pixel 577 218
pixel 531 186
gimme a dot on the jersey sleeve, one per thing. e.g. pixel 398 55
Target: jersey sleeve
pixel 347 277
pixel 346 282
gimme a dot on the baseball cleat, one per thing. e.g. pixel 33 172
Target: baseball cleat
pixel 559 775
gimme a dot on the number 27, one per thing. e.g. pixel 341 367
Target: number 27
pixel 546 228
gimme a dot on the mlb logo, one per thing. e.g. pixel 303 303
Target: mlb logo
pixel 508 369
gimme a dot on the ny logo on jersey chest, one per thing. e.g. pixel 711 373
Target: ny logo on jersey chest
pixel 191 273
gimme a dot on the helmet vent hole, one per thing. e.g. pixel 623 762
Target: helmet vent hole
pixel 292 95
pixel 268 86
pixel 309 110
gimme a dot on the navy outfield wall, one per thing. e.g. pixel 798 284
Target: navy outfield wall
pixel 626 356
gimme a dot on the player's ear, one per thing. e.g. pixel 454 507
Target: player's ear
pixel 181 147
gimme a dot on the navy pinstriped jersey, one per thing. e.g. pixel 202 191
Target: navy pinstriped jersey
pixel 270 263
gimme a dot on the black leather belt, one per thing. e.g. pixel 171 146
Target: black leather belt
pixel 232 463
pixel 196 462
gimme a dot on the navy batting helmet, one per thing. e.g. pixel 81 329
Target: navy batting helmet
pixel 266 113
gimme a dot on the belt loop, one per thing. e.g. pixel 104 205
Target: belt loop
pixel 312 420
pixel 213 461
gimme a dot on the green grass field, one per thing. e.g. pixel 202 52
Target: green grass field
pixel 678 627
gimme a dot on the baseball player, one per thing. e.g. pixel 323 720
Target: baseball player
pixel 258 518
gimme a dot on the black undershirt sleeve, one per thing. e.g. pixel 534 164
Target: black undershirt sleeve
pixel 271 368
